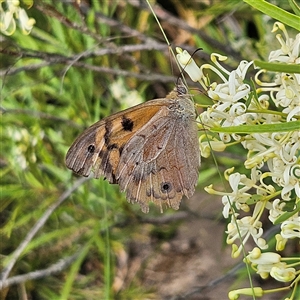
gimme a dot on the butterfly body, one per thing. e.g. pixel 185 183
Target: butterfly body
pixel 151 150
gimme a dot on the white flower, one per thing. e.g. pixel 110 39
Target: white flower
pixel 270 263
pixel 238 193
pixel 291 228
pixel 188 64
pixel 280 151
pixel 206 147
pixel 280 242
pixel 256 257
pixel 232 90
pixel 230 109
pixel 125 97
pixel 276 210
pixel 287 94
pixel 25 22
pixel 253 292
pixel 290 48
pixel 244 228
pixel 281 273
pixel 13 11
pixel 7 22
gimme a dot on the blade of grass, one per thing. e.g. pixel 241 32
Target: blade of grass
pixel 74 269
pixel 275 12
pixel 278 67
pixel 280 127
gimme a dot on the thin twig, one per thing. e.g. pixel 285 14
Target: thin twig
pixel 38 225
pixel 148 77
pixel 164 15
pixel 37 114
pixel 53 269
pixel 49 10
pixel 51 59
pixel 95 52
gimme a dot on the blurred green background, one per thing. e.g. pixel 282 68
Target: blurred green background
pixel 83 61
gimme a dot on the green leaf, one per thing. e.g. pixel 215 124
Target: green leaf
pixel 280 127
pixel 278 67
pixel 276 13
pixel 295 7
pixel 287 215
pixel 254 199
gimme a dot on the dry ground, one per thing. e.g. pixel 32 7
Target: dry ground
pixel 185 265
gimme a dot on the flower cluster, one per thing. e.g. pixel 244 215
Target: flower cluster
pixel 125 97
pixel 270 263
pixel 272 182
pixel 10 11
pixel 24 152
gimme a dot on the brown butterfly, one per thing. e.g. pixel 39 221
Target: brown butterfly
pixel 151 150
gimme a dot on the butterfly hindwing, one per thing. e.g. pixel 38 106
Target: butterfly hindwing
pixel 160 162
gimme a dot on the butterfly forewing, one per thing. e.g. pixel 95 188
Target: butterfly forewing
pixel 99 146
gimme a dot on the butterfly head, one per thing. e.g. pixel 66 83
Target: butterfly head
pixel 181 89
